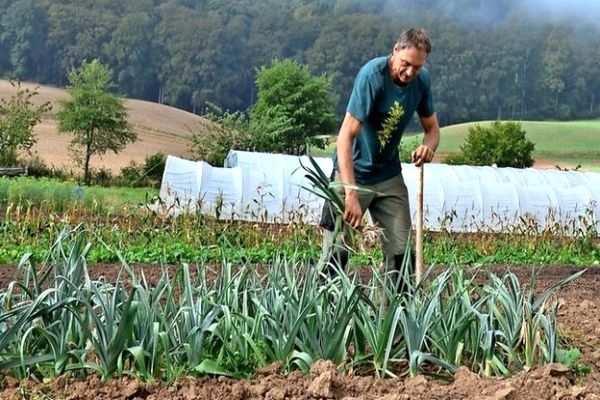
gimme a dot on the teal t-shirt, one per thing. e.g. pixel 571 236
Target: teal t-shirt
pixel 373 95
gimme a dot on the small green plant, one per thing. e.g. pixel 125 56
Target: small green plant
pixel 570 358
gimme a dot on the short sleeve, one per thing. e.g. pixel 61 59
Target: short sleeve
pixel 425 106
pixel 362 99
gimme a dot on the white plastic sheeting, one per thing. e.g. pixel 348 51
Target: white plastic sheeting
pixel 269 188
pixel 252 187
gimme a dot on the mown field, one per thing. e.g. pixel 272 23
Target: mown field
pixel 159 128
pixel 567 144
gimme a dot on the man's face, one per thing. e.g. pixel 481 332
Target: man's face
pixel 407 63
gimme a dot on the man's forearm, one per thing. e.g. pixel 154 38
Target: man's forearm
pixel 344 154
pixel 431 139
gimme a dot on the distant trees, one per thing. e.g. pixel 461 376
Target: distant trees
pixel 18 117
pixel 503 144
pixel 96 118
pixel 23 30
pixel 490 60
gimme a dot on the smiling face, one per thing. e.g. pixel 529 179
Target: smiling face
pixel 405 64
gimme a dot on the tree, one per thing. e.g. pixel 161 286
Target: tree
pixel 293 109
pixel 501 143
pixel 557 64
pixel 228 130
pixel 18 116
pixel 96 117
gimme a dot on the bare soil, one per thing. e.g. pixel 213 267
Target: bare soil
pixel 579 323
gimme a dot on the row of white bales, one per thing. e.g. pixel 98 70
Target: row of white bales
pixel 272 188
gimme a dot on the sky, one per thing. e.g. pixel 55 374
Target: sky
pixel 572 10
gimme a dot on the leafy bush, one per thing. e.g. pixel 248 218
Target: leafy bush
pixel 37 168
pixel 131 176
pixel 18 116
pixel 154 168
pixel 229 131
pixel 455 159
pixel 102 177
pixel 407 146
pixel 501 143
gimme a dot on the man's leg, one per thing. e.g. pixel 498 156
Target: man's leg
pixel 391 210
pixel 334 253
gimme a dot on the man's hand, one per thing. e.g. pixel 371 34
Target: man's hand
pixel 421 155
pixel 352 212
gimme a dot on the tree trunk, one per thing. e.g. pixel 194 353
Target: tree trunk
pixel 87 179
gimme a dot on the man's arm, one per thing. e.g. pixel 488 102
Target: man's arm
pixel 431 139
pixel 348 131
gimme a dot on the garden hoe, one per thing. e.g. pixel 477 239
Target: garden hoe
pixel 419 227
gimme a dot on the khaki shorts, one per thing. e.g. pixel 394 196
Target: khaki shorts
pixel 388 205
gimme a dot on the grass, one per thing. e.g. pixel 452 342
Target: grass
pixel 567 143
pixel 58 196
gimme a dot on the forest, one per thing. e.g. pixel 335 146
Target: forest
pixel 506 59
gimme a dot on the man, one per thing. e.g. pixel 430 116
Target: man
pixel 387 91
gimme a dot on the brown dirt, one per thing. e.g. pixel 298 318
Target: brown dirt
pixel 578 319
pixel 159 128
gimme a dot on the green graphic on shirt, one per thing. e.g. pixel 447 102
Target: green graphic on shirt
pixel 390 125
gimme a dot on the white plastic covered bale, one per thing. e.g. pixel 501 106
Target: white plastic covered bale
pixel 537 206
pixel 253 187
pixel 221 192
pixel 433 193
pixel 573 204
pixel 191 186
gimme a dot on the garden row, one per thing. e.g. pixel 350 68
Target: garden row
pixel 55 319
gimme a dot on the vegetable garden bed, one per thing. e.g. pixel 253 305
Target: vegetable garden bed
pixel 579 329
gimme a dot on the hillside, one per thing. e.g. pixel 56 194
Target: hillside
pixel 564 143
pixel 159 128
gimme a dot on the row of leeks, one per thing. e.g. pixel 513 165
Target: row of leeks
pixel 231 321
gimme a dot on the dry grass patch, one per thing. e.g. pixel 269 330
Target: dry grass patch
pixel 159 128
